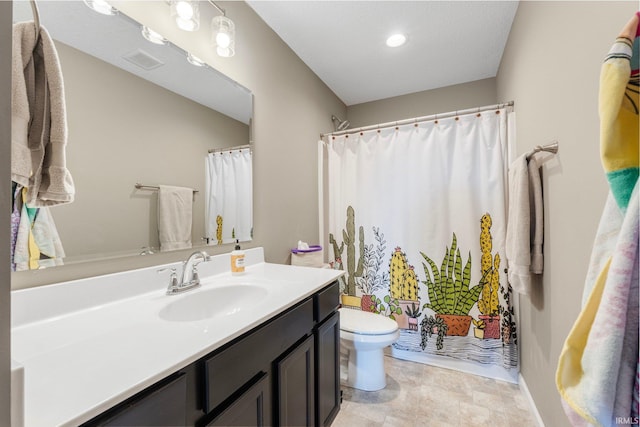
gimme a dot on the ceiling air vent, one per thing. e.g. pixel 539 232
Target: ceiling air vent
pixel 143 60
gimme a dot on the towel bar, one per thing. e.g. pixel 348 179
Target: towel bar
pixel 151 187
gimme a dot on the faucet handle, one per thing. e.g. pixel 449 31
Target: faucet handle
pixel 173 276
pixel 194 276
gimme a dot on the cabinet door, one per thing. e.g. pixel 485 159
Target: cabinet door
pixel 328 370
pixel 250 409
pixel 295 387
pixel 163 404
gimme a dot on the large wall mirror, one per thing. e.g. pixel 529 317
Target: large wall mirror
pixel 137 113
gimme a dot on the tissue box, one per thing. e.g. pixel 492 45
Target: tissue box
pixel 311 257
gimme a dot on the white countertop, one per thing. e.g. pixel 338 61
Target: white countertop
pixel 84 358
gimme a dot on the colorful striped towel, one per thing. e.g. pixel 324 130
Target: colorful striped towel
pixel 597 374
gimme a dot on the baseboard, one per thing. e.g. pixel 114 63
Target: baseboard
pixel 532 404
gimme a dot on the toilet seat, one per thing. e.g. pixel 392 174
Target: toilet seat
pixel 365 323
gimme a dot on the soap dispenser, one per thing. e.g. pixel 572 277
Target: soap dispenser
pixel 237 260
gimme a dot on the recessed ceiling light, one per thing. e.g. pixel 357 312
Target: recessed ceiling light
pixel 396 40
pixel 152 36
pixel 101 6
pixel 194 60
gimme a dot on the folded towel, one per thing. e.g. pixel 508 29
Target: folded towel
pixel 175 207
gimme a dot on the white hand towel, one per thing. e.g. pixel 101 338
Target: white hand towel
pixel 175 209
pixel 517 244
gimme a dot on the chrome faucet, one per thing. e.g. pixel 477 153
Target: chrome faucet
pixel 189 279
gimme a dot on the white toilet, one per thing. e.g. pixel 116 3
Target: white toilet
pixel 365 335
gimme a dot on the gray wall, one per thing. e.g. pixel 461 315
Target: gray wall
pixel 5 209
pixel 292 106
pixel 550 69
pixel 451 98
pixel 123 130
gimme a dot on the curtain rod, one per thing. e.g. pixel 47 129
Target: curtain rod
pixel 419 119
pixel 220 150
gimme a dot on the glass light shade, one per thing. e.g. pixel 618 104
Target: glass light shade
pixel 224 36
pixel 186 14
pixel 101 6
pixel 152 36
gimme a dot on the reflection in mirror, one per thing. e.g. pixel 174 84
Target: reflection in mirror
pixel 228 204
pixel 137 112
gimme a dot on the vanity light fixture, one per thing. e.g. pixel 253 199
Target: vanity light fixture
pixel 186 13
pixel 223 37
pixel 101 6
pixel 152 36
pixel 194 60
pixel 396 40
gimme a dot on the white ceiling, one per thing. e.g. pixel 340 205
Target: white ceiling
pixel 343 42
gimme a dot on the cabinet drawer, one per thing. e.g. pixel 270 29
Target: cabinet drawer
pixel 233 366
pixel 326 301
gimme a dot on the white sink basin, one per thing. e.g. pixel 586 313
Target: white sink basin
pixel 214 302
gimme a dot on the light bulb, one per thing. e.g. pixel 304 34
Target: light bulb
pixel 187 14
pixel 184 10
pixel 223 40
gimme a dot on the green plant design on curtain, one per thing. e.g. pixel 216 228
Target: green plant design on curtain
pixel 448 288
pixel 390 310
pixel 349 242
pixel 373 277
pixel 433 325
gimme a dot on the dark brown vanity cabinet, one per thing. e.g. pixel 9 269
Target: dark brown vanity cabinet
pixel 327 345
pixel 284 372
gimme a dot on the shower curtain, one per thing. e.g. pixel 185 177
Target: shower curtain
pixel 417 218
pixel 228 202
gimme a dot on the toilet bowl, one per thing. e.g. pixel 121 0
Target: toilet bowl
pixel 365 335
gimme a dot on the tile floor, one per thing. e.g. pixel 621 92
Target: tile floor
pixel 423 395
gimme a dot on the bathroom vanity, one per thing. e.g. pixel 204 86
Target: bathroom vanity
pixel 259 349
